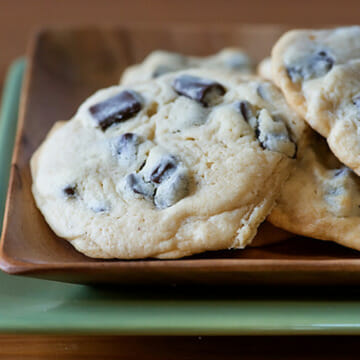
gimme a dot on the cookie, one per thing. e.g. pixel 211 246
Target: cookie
pixel 319 73
pixel 184 163
pixel 321 199
pixel 161 62
pixel 264 69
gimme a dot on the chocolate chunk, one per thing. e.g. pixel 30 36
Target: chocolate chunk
pixel 126 146
pixel 270 131
pixel 70 191
pixel 165 168
pixel 137 184
pixel 342 171
pixel 356 101
pixel 246 110
pixel 338 172
pixel 273 134
pixel 198 89
pixel 100 209
pixel 311 66
pixel 164 182
pixel 172 190
pixel 248 113
pixel 279 143
pixel 118 108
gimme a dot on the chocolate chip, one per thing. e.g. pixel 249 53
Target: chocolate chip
pixel 100 209
pixel 165 168
pixel 137 184
pixel 70 191
pixel 356 101
pixel 118 108
pixel 311 66
pixel 164 182
pixel 198 89
pixel 169 192
pixel 270 131
pixel 342 171
pixel 273 134
pixel 338 172
pixel 126 146
pixel 273 142
pixel 246 110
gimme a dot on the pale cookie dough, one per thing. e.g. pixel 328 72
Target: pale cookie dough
pixel 321 199
pixel 264 69
pixel 185 163
pixel 319 74
pixel 160 62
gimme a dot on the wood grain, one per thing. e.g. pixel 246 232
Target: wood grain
pixel 145 348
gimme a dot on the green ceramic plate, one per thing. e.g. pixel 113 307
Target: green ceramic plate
pixel 28 305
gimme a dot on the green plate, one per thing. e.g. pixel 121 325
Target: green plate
pixel 28 305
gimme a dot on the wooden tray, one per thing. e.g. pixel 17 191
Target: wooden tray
pixel 65 67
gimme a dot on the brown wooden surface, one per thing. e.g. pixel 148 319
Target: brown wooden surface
pixel 172 348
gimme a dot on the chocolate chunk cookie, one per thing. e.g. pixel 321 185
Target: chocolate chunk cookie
pixel 167 168
pixel 321 199
pixel 319 73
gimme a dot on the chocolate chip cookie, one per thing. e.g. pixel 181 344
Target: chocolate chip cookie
pixel 321 199
pixel 319 73
pixel 184 163
pixel 161 62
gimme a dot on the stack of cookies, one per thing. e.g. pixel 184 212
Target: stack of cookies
pixel 192 154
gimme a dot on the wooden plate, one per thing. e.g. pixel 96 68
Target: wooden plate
pixel 65 67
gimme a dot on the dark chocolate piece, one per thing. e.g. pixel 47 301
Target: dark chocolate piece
pixel 118 108
pixel 100 209
pixel 310 67
pixel 137 184
pixel 342 171
pixel 70 191
pixel 166 167
pixel 169 192
pixel 246 110
pixel 198 89
pixel 356 101
pixel 126 146
pixel 274 141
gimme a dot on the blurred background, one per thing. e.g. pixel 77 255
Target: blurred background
pixel 20 18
